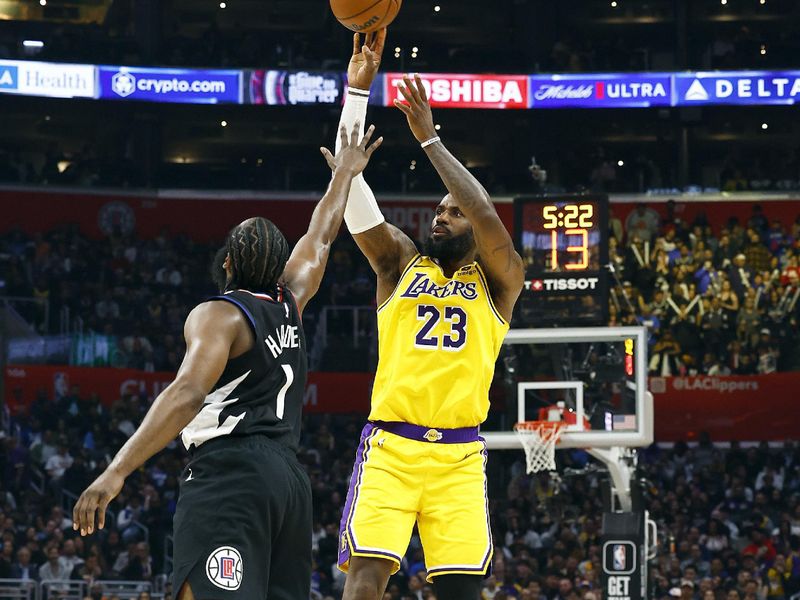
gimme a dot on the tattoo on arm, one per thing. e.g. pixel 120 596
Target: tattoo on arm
pixel 509 250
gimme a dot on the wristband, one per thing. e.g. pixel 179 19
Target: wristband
pixel 433 140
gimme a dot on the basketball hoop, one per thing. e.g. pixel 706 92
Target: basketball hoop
pixel 538 439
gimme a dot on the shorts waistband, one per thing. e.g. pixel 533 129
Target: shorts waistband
pixel 462 435
pixel 241 441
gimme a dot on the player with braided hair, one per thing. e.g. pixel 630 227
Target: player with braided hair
pixel 243 523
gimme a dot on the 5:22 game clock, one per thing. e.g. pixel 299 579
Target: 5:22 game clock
pixel 563 241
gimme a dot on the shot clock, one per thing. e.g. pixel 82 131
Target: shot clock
pixel 563 241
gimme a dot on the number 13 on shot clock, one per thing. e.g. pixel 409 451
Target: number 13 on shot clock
pixel 563 241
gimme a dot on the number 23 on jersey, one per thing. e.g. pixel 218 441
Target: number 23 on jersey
pixel 430 316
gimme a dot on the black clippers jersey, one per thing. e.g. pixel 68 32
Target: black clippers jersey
pixel 261 391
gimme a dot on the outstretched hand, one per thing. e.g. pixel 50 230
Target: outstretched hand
pixel 418 110
pixel 366 59
pixel 352 156
pixel 94 501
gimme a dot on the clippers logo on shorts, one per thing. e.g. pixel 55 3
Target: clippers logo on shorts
pixel 224 568
pixel 619 557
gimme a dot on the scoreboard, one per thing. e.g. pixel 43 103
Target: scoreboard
pixel 563 241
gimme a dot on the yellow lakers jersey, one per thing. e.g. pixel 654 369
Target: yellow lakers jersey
pixel 438 339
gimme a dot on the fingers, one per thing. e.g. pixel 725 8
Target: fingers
pixel 76 514
pixel 367 136
pixel 343 136
pixel 356 43
pixel 369 55
pixel 412 88
pixel 374 146
pixel 403 107
pixel 421 88
pixel 355 133
pixel 379 42
pixel 406 93
pixel 370 39
pixel 328 158
pixel 101 512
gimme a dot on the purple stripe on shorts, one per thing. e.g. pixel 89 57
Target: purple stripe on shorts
pixel 352 492
pixel 432 435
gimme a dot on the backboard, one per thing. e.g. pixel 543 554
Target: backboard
pixel 594 378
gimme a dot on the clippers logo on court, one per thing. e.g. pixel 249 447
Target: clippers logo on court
pixel 224 568
pixel 560 285
pixel 466 91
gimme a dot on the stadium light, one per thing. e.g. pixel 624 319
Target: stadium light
pixel 437 8
pixel 763 49
pixel 437 127
pixel 620 163
pixel 43 2
pixel 33 43
pixel 223 123
pixel 614 4
pixel 764 126
pixel 223 5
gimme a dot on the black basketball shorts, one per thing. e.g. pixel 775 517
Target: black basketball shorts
pixel 242 527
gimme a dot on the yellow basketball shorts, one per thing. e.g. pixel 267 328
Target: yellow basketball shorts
pixel 441 487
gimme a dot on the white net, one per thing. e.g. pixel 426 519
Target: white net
pixel 539 439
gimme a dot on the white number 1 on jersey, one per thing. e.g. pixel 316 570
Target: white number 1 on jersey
pixel 281 407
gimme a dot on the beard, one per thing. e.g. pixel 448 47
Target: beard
pixel 218 274
pixel 449 249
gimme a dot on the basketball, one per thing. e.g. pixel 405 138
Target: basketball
pixel 365 15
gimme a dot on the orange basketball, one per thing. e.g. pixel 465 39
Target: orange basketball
pixel 365 15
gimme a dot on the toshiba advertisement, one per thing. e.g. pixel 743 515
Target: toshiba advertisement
pixel 465 91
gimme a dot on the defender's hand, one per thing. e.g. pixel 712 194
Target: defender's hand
pixel 353 156
pixel 366 59
pixel 418 109
pixel 95 500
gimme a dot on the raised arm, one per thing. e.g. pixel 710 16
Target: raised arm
pixel 503 265
pixel 306 265
pixel 210 332
pixel 387 248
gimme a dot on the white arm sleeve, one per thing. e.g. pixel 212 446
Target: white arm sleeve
pixel 362 212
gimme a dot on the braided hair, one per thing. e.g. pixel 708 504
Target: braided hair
pixel 258 254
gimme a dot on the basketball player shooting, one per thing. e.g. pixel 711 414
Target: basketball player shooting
pixel 242 528
pixel 442 317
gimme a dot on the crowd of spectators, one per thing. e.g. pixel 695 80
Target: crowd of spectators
pixel 729 518
pixel 716 303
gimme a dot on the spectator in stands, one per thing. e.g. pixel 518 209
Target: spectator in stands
pixel 23 569
pixel 55 567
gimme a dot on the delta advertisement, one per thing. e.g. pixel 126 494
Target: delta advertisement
pixel 756 88
pixel 186 86
pixel 445 90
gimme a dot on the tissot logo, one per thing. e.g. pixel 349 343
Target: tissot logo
pixel 550 285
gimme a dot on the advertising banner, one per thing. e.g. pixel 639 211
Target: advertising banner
pixel 51 80
pixel 465 91
pixel 607 90
pixel 325 392
pixel 282 88
pixel 737 87
pixel 170 85
pixel 725 407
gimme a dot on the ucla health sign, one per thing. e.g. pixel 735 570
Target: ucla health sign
pixel 738 87
pixel 634 90
pixel 52 80
pixel 188 86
